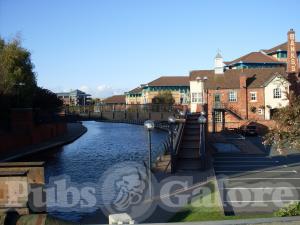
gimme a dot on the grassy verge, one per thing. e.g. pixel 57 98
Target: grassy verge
pixel 208 207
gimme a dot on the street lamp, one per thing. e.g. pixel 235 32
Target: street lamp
pixel 182 113
pixel 172 121
pixel 19 85
pixel 149 125
pixel 202 120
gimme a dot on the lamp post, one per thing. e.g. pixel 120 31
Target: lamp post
pixel 19 85
pixel 149 125
pixel 172 120
pixel 202 120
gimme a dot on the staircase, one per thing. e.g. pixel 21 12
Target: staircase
pixel 233 111
pixel 188 155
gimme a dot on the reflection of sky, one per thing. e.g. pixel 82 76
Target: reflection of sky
pixel 104 145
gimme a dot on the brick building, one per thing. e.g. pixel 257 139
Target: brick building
pixel 249 88
pixel 236 96
pixel 179 86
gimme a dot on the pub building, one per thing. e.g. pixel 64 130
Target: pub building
pixel 249 88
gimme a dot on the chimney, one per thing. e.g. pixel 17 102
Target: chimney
pixel 292 59
pixel 219 64
pixel 243 80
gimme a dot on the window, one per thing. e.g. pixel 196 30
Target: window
pixel 197 97
pixel 232 96
pixel 253 96
pixel 260 111
pixel 277 93
pixel 218 116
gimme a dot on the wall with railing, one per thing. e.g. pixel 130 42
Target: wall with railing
pixel 123 112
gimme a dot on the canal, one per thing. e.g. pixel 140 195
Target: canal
pixel 87 158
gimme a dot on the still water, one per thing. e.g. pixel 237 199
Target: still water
pixel 103 145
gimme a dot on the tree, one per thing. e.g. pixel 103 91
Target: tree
pixel 18 85
pixel 17 79
pixel 286 133
pixel 164 97
pixel 45 99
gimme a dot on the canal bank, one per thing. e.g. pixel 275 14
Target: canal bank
pixel 74 131
pixel 83 162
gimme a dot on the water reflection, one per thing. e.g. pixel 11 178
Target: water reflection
pixel 104 145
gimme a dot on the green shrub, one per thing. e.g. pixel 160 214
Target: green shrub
pixel 290 210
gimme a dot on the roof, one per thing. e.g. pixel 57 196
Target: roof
pixel 72 93
pixel 254 57
pixel 136 90
pixel 231 78
pixel 281 47
pixel 115 99
pixel 170 81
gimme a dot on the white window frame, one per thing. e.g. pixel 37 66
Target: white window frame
pixel 197 97
pixel 218 117
pixel 232 96
pixel 260 111
pixel 277 93
pixel 253 96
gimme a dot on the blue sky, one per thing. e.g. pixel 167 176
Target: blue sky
pixel 110 46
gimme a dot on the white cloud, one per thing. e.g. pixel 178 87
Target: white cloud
pixel 101 91
pixel 98 91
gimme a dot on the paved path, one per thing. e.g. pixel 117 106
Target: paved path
pixel 74 131
pixel 257 183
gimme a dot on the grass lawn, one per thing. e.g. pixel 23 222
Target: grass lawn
pixel 208 207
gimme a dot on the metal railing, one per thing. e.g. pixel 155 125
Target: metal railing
pixel 123 108
pixel 227 107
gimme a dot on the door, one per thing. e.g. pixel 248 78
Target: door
pixel 217 100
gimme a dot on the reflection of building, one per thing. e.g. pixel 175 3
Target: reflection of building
pixel 74 98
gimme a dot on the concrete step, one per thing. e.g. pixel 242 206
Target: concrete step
pixel 192 122
pixel 188 153
pixel 190 144
pixel 191 138
pixel 192 132
pixel 188 164
pixel 192 126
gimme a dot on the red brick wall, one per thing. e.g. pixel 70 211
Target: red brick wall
pixel 242 106
pixel 12 141
pixel 257 104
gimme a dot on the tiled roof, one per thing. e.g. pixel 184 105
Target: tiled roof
pixel 281 47
pixel 231 78
pixel 254 57
pixel 170 81
pixel 115 99
pixel 135 90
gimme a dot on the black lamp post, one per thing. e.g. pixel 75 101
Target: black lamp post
pixel 18 86
pixel 149 125
pixel 172 120
pixel 202 120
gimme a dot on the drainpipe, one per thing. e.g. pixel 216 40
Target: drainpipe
pixel 246 102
